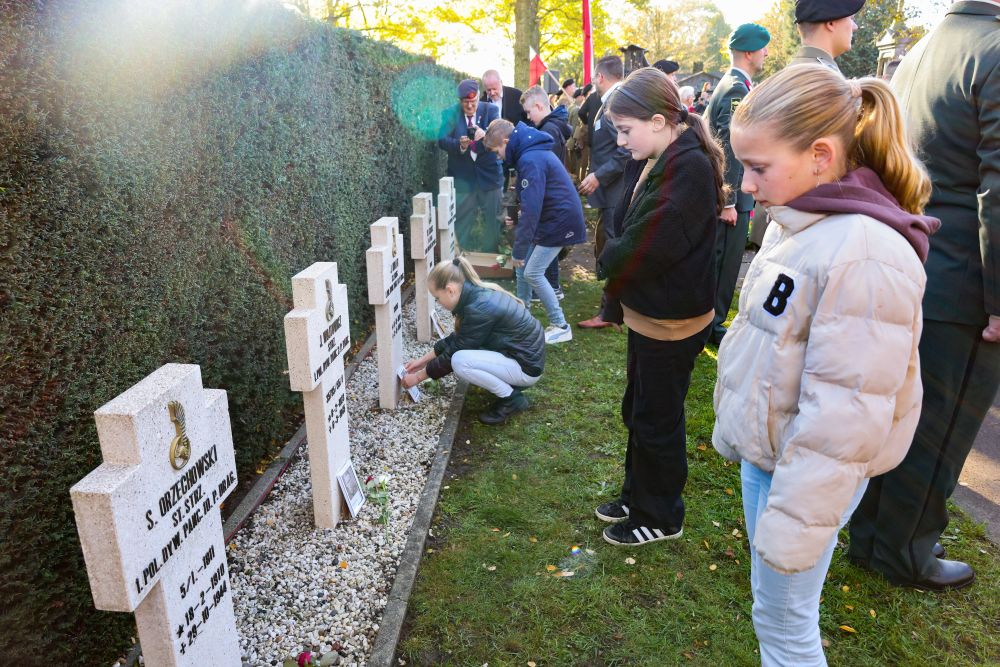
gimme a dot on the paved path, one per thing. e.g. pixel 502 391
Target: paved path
pixel 978 491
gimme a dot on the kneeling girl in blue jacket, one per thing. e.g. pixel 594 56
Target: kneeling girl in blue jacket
pixel 551 215
pixel 496 345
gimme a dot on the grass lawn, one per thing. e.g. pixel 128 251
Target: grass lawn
pixel 517 499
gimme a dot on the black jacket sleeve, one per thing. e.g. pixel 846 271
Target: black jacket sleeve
pixel 475 329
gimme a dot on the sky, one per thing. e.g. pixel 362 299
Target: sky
pixel 481 53
pixel 744 11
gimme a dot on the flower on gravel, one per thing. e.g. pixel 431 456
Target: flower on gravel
pixel 305 659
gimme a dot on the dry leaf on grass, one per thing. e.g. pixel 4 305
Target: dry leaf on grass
pixel 847 628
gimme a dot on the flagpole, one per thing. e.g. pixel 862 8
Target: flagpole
pixel 588 44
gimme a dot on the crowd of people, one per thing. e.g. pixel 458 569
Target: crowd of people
pixel 865 352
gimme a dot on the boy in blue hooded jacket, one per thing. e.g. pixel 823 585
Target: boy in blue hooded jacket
pixel 551 215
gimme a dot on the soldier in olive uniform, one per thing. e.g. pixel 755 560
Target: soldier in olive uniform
pixel 748 48
pixel 826 28
pixel 949 87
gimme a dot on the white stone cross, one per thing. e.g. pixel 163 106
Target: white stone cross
pixel 423 239
pixel 149 522
pixel 385 275
pixel 446 219
pixel 317 336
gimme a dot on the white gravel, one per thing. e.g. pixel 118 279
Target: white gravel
pixel 290 590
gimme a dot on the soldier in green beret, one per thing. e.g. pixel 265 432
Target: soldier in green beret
pixel 748 49
pixel 826 28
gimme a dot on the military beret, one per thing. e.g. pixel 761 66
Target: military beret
pixel 666 66
pixel 568 82
pixel 749 37
pixel 468 89
pixel 821 11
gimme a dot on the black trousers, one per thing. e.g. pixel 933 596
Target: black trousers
pixel 659 374
pixel 477 225
pixel 730 244
pixel 903 512
pixel 611 308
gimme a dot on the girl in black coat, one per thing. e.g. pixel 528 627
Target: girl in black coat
pixel 497 344
pixel 661 268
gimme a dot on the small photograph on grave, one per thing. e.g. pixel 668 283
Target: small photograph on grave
pixel 351 488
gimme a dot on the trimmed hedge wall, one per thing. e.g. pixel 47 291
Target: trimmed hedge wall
pixel 161 180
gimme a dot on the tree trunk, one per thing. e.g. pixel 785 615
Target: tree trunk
pixel 525 34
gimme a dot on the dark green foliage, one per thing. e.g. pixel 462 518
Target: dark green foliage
pixel 157 193
pixel 873 21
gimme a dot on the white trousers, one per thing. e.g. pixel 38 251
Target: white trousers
pixel 492 371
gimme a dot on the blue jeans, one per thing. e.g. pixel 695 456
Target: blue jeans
pixel 531 277
pixel 785 607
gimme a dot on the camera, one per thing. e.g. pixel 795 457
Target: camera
pixel 472 133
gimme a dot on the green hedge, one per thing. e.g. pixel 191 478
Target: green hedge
pixel 161 179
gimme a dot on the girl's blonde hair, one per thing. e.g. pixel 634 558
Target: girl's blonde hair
pixel 458 271
pixel 803 103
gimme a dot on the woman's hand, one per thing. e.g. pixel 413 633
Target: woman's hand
pixel 419 364
pixel 518 263
pixel 413 379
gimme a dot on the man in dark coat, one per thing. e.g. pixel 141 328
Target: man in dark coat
pixel 603 185
pixel 748 49
pixel 506 99
pixel 949 87
pixel 477 172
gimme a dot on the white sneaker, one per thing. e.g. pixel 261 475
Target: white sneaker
pixel 554 334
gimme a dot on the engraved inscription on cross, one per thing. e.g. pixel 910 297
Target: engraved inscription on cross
pixel 385 275
pixel 446 219
pixel 148 517
pixel 317 337
pixel 423 239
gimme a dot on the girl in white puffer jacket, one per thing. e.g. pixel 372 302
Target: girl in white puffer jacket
pixel 819 376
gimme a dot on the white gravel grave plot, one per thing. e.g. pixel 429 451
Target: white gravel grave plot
pixel 296 587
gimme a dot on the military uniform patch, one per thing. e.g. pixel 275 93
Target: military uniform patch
pixel 524 183
pixel 735 102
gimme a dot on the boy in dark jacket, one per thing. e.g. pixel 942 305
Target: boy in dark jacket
pixel 556 124
pixel 550 217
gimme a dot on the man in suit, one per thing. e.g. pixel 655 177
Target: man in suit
pixel 477 172
pixel 506 99
pixel 603 185
pixel 826 28
pixel 949 88
pixel 748 49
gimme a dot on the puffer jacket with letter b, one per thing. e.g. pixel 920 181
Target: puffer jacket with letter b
pixel 819 374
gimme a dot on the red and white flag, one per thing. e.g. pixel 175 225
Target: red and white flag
pixel 536 68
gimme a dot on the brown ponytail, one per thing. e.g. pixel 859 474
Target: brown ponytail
pixel 803 103
pixel 647 92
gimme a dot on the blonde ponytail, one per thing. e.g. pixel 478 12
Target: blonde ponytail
pixel 803 103
pixel 458 271
pixel 880 142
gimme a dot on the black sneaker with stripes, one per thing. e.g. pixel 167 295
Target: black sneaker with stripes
pixel 630 534
pixel 612 512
